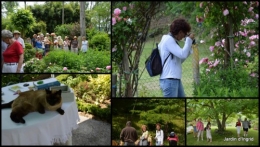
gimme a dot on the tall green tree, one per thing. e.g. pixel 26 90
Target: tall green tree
pixel 220 110
pixel 101 15
pixel 23 20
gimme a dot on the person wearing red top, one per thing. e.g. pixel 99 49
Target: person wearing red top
pixel 13 56
pixel 200 129
pixel 238 125
pixel 173 139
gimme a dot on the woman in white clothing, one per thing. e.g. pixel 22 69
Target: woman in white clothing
pixel 66 44
pixel 208 133
pixel 84 45
pixel 159 135
pixel 170 79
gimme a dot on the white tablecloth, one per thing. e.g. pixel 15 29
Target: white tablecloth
pixel 39 129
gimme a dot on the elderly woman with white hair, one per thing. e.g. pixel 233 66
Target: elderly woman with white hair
pixel 12 61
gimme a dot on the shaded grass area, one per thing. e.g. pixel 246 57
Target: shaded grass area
pixel 149 86
pixel 219 139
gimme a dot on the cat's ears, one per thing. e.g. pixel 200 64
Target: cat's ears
pixel 48 91
pixel 59 91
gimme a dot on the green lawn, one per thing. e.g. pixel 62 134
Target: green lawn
pixel 149 86
pixel 217 139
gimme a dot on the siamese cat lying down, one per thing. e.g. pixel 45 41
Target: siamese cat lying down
pixel 31 101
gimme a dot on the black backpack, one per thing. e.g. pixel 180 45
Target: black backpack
pixel 153 63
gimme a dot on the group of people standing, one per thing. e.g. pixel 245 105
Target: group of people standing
pixel 41 42
pixel 198 129
pixel 129 136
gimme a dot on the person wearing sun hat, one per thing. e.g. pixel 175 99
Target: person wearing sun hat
pixel 74 45
pixel 66 44
pixel 18 38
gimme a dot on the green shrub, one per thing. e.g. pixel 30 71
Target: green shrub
pixel 28 46
pixel 93 59
pixel 227 83
pixel 62 77
pixel 91 32
pixel 100 41
pixel 34 65
pixel 63 59
pixel 29 52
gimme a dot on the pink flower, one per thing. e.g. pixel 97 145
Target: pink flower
pixel 203 60
pixel 117 11
pixel 252 43
pixel 250 9
pixel 256 16
pixel 211 48
pixel 97 69
pixel 218 43
pixel 253 75
pixel 253 37
pixel 124 8
pixel 244 2
pixel 225 12
pixel 248 54
pixel 108 67
pixel 201 4
pixel 65 68
pixel 247 61
pixel 216 63
pixel 113 20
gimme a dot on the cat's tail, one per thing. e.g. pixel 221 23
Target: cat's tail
pixel 7 105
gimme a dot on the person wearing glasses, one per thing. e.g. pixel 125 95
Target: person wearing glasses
pixel 170 78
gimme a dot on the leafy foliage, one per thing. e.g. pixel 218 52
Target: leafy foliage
pixel 100 41
pixel 23 20
pixel 220 110
pixel 169 113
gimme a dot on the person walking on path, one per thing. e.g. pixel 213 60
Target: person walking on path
pixel 245 125
pixel 238 126
pixel 128 135
pixel 200 128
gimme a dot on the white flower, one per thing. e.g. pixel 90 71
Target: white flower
pixel 129 21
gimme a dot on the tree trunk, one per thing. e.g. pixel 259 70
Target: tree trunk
pixel 231 38
pixel 127 73
pixel 82 19
pixel 24 4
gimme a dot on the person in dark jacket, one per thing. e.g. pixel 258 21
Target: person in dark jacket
pixel 128 135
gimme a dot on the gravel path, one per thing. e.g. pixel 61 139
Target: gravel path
pixel 92 132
